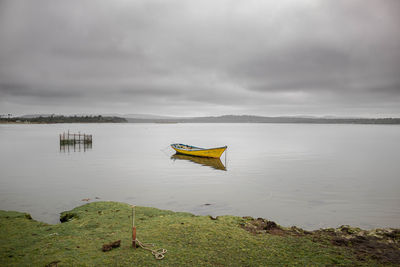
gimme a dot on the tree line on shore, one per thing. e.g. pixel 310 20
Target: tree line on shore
pixel 64 119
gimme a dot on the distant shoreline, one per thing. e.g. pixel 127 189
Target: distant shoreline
pixel 260 119
pixel 62 119
pixel 172 122
pixel 218 119
pixel 23 122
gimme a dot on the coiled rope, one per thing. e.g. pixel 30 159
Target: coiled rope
pixel 158 253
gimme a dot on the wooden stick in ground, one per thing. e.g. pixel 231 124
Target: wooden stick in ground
pixel 133 228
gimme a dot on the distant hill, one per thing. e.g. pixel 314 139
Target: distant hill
pixel 261 119
pixel 146 116
pixel 30 116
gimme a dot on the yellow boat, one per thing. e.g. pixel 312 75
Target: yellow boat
pixel 198 151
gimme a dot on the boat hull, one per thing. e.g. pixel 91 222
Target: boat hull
pixel 206 153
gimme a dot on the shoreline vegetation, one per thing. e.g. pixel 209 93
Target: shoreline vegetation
pixel 62 119
pixel 217 119
pixel 190 240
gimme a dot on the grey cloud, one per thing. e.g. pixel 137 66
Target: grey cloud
pixel 230 56
pixel 22 90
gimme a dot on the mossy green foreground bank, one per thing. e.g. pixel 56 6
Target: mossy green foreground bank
pixel 190 240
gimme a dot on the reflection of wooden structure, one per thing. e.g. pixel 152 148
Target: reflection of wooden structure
pixel 75 147
pixel 214 163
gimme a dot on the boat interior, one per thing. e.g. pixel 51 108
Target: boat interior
pixel 186 147
pixel 189 148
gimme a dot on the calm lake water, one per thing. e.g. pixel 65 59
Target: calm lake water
pixel 307 175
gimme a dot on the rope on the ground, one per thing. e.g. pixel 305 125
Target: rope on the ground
pixel 158 253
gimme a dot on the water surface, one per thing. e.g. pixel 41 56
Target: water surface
pixel 308 175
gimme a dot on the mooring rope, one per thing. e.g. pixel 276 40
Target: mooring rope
pixel 163 150
pixel 226 152
pixel 158 253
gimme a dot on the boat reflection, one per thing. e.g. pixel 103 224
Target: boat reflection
pixel 210 162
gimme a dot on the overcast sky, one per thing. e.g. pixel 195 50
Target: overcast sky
pixel 208 57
